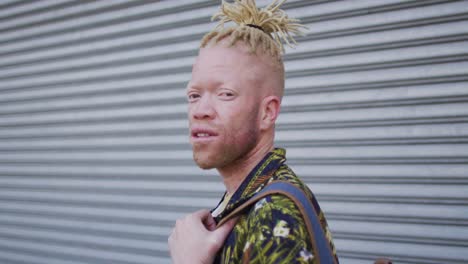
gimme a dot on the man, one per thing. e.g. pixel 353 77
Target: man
pixel 234 100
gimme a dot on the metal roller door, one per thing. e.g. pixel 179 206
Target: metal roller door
pixel 94 158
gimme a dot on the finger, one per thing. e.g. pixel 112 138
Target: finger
pixel 171 238
pixel 209 223
pixel 222 232
pixel 206 218
pixel 201 214
pixel 231 223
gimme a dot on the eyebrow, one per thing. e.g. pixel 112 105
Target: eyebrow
pixel 198 86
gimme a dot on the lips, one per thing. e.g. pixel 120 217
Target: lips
pixel 202 133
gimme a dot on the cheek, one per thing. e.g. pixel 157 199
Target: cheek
pixel 242 122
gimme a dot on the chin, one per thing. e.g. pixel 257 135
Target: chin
pixel 204 163
pixel 204 166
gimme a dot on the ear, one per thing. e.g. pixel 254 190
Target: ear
pixel 270 108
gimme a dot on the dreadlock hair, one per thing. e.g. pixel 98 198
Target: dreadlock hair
pixel 265 28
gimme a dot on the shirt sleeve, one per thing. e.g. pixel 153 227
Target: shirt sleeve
pixel 277 233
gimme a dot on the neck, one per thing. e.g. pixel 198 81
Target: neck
pixel 236 172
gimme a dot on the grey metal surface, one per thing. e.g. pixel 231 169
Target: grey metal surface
pixel 94 159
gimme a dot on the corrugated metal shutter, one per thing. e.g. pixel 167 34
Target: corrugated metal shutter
pixel 94 160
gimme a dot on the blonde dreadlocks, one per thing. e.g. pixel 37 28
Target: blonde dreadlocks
pixel 266 27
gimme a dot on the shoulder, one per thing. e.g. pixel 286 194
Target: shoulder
pixel 277 232
pixel 277 206
pixel 285 173
pixel 277 216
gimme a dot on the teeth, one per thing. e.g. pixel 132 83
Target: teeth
pixel 203 135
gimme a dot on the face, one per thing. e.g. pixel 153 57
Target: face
pixel 223 106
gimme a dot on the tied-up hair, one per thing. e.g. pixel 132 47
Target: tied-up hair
pixel 267 27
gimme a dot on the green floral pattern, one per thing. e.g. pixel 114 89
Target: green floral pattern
pixel 273 230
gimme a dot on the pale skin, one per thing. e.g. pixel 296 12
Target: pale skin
pixel 234 100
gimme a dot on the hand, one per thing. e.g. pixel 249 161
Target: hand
pixel 196 240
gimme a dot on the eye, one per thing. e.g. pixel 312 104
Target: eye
pixel 193 97
pixel 226 95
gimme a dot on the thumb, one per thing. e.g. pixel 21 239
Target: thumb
pixel 222 232
pixel 209 222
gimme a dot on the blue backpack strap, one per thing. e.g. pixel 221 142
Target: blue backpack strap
pixel 321 246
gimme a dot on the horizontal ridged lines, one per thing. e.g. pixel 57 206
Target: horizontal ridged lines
pixel 68 134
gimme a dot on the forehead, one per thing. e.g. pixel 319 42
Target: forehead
pixel 220 63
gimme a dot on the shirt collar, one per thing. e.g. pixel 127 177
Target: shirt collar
pixel 255 180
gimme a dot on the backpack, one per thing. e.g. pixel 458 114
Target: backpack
pixel 320 244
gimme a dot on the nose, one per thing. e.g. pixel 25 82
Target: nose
pixel 203 109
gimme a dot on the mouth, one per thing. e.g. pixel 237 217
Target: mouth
pixel 202 134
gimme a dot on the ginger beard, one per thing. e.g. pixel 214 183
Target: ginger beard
pixel 233 142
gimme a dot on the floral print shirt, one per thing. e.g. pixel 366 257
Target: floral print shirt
pixel 273 230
